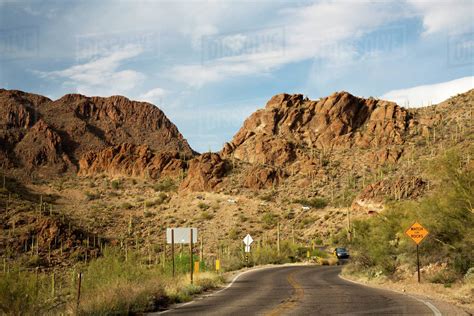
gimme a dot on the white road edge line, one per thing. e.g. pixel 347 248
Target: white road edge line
pixel 433 308
pixel 219 291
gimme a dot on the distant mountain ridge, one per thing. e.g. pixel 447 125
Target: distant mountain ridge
pixel 50 137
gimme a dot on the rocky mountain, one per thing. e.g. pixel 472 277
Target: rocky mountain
pixel 346 145
pixel 348 149
pixel 289 126
pixel 44 137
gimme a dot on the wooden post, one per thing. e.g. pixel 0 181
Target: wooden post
pixel 293 233
pixel 78 298
pixel 172 248
pixel 191 261
pixel 201 251
pixel 164 254
pixel 53 288
pixel 278 238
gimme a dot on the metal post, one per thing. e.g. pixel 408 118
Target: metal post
pixel 191 261
pixel 418 262
pixel 172 248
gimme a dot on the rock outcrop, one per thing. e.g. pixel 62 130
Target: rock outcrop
pixel 131 160
pixel 205 173
pixel 277 134
pixel 259 177
pixel 374 195
pixel 41 147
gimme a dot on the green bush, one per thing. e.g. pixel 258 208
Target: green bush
pixel 24 293
pixel 269 220
pixel 203 206
pixel 165 185
pixel 206 215
pixel 116 184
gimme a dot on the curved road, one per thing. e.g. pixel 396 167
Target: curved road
pixel 301 290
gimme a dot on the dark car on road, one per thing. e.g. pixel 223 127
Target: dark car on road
pixel 341 253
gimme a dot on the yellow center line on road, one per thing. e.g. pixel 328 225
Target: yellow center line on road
pixel 290 302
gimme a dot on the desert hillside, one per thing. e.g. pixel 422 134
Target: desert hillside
pixel 81 172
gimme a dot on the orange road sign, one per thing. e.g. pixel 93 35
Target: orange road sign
pixel 417 232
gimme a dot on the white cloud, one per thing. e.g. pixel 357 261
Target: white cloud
pixel 439 16
pixel 154 96
pixel 312 31
pixel 429 94
pixel 103 75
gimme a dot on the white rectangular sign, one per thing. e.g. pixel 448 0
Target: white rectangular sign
pixel 182 235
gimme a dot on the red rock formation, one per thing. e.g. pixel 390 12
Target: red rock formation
pixel 263 177
pixel 339 121
pixel 205 173
pixel 131 160
pixel 41 146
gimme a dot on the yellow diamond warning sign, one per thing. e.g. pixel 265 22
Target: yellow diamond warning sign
pixel 417 232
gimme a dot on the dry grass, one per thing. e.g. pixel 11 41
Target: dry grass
pixel 124 297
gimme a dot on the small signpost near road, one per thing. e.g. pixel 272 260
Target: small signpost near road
pixel 248 240
pixel 182 236
pixel 417 233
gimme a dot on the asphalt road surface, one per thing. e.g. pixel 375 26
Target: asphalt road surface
pixel 301 290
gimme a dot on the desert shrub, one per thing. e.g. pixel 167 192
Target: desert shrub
pixel 290 214
pixel 115 285
pixel 91 196
pixel 233 234
pixel 267 196
pixel 126 206
pixel 206 215
pixel 203 206
pixel 269 220
pixel 243 218
pixel 444 277
pixel 165 185
pixel 116 184
pixel 23 293
pixel 313 202
pixel 148 214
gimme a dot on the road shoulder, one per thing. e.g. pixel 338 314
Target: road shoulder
pixel 438 306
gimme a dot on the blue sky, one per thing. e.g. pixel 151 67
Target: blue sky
pixel 209 64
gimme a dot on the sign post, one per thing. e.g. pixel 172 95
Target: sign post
pixel 417 233
pixel 172 248
pixel 182 236
pixel 248 240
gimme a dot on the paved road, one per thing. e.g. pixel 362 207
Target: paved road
pixel 301 290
